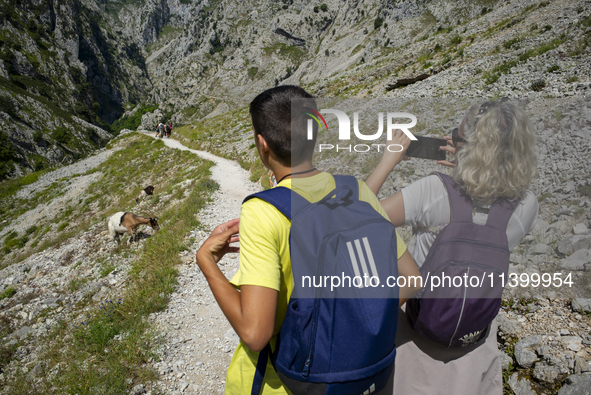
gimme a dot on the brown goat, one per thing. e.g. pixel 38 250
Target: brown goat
pixel 122 222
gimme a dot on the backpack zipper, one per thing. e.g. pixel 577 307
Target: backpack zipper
pixel 461 313
pixel 306 371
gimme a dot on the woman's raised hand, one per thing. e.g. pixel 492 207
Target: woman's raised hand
pixel 449 148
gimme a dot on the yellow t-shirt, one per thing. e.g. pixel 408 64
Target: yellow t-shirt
pixel 265 262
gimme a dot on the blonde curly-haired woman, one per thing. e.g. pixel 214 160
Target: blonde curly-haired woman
pixel 495 159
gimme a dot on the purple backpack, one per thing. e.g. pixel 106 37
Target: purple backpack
pixel 463 274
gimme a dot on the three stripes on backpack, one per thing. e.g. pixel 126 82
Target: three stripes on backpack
pixel 370 259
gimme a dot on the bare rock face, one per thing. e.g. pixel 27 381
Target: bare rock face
pixel 576 385
pixel 523 350
pixel 520 386
pixel 571 244
pixel 67 76
pixel 151 120
pixel 582 305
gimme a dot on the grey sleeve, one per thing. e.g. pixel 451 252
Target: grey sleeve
pixel 426 203
pixel 523 220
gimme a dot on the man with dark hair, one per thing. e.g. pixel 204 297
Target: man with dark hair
pixel 255 300
pixel 284 130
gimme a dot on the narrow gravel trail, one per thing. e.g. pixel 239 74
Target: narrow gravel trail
pixel 198 341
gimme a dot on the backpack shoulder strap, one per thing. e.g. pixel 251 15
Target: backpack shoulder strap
pixel 259 374
pixel 283 199
pixel 348 182
pixel 459 203
pixel 500 213
pixel 346 192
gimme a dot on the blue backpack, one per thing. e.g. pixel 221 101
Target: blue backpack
pixel 458 313
pixel 335 340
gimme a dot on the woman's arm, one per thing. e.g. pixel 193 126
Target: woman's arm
pixel 389 161
pixel 394 207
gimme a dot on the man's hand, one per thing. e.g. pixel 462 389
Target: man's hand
pixel 389 161
pixel 218 243
pixel 251 311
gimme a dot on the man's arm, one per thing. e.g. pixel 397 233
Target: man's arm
pixel 388 162
pixel 251 311
pixel 408 268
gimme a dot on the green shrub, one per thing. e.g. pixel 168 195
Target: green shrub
pixel 7 155
pixel 7 105
pixel 252 72
pixel 216 45
pixel 324 7
pixel 585 21
pixel 61 135
pixel 106 269
pixel 209 185
pixel 134 121
pixel 585 190
pixel 22 242
pixel 37 136
pixel 76 284
pixel 8 292
pixel 377 23
pixel 455 40
pixel 510 43
pixel 552 69
pixel 491 78
pixel 538 85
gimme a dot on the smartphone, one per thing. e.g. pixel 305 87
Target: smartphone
pixel 427 148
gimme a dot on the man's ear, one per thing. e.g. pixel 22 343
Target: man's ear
pixel 262 143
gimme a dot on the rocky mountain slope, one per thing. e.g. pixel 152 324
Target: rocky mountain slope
pixel 217 55
pixel 95 59
pixel 64 77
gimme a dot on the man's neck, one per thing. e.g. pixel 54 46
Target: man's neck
pixel 283 172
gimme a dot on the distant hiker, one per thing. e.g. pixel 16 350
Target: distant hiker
pixel 168 129
pixel 272 180
pixel 160 130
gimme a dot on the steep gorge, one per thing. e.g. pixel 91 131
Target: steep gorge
pixel 70 68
